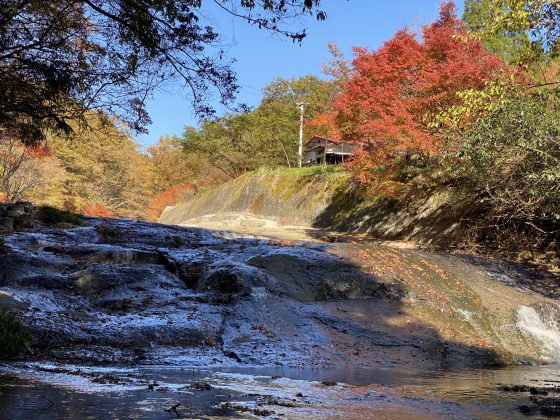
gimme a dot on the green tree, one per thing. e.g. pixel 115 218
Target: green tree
pixel 227 143
pixel 512 155
pixel 266 136
pixel 526 31
pixel 514 47
pixel 277 117
pixel 541 18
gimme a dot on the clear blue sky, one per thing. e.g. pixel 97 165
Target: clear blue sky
pixel 261 57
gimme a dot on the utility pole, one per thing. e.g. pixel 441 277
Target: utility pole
pixel 301 106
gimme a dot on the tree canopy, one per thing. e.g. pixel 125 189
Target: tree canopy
pixel 60 59
pixel 395 92
pixel 521 31
pixel 268 135
pixel 514 47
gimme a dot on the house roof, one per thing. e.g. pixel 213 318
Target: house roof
pixel 336 141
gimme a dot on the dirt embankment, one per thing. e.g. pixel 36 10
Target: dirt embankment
pixel 325 200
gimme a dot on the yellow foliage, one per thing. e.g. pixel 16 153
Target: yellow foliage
pixel 475 104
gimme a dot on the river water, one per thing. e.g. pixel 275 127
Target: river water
pixel 72 392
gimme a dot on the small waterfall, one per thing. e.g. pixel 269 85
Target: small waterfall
pixel 125 257
pixel 541 323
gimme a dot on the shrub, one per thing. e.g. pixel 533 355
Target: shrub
pixel 513 157
pixel 13 336
pixel 511 160
pixel 53 216
pixel 384 176
pixel 97 210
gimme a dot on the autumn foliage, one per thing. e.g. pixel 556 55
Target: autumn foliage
pixel 168 197
pixel 391 99
pixel 97 210
pixel 394 93
pixel 40 151
pixel 324 125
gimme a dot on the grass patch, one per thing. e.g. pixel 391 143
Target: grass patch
pixel 175 241
pixel 304 171
pixel 53 216
pixel 13 335
pixel 108 230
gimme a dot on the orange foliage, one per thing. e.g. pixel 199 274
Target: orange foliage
pixel 40 151
pixel 362 167
pixel 168 197
pixel 97 210
pixel 176 194
pixel 69 204
pixel 324 125
pixel 373 170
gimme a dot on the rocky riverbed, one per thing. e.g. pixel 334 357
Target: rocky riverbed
pixel 115 294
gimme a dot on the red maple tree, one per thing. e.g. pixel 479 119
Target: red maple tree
pixel 324 125
pixel 168 197
pixel 395 92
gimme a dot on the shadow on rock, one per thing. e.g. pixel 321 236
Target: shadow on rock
pixel 214 298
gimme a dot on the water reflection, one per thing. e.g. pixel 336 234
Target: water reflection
pixel 475 391
pixel 28 399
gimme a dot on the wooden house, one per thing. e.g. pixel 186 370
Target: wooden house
pixel 330 151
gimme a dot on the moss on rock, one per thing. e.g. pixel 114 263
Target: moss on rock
pixel 326 198
pixel 13 335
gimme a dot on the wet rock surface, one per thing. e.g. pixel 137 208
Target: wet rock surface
pixel 113 295
pixel 121 291
pixel 541 400
pixel 128 292
pixel 16 216
pixel 309 278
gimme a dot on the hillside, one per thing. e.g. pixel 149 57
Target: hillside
pixel 326 198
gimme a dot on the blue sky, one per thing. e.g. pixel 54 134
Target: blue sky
pixel 261 57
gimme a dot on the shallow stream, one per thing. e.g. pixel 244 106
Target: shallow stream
pixel 46 391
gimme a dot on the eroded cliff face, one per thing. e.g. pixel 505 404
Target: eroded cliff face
pixel 326 201
pixel 286 196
